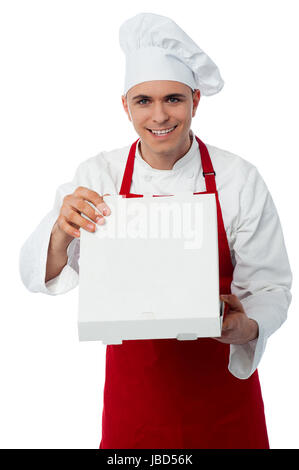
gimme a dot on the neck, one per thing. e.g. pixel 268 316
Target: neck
pixel 164 160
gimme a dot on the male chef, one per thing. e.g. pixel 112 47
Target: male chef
pixel 167 393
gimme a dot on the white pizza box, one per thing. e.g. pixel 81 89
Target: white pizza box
pixel 151 271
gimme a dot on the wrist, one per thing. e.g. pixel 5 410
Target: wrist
pixel 59 240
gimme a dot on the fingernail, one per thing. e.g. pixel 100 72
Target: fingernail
pixel 104 209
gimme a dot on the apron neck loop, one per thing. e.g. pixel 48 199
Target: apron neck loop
pixel 207 167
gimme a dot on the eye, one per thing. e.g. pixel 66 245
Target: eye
pixel 170 98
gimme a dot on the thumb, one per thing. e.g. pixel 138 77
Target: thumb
pixel 233 302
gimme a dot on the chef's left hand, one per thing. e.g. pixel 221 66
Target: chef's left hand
pixel 237 328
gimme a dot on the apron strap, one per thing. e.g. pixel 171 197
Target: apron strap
pixel 207 167
pixel 127 178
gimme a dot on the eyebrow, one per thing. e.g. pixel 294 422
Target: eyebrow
pixel 176 95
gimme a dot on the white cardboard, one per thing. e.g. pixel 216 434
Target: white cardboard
pixel 151 271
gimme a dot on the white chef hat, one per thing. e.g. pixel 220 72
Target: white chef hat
pixel 156 48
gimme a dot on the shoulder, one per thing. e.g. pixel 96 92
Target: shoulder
pixel 239 184
pixel 105 160
pixel 232 168
pixel 230 161
pixel 103 171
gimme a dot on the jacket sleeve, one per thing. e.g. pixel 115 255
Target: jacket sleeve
pixel 33 254
pixel 262 276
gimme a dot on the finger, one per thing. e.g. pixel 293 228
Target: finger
pixel 225 336
pixel 233 302
pixel 82 207
pixel 72 216
pixel 103 207
pixel 222 339
pixel 68 228
pixel 93 197
pixel 225 330
pixel 227 324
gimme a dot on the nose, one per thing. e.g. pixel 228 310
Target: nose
pixel 159 113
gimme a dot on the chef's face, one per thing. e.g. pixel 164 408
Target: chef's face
pixel 159 105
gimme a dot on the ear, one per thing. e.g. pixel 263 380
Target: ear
pixel 126 106
pixel 195 99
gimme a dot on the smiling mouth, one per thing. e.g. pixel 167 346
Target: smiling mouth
pixel 163 132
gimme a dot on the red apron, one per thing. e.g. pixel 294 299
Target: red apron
pixel 170 394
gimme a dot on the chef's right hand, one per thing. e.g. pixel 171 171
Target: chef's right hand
pixel 75 204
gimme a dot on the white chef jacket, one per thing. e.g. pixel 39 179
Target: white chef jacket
pixel 262 276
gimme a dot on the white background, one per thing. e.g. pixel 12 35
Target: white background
pixel 62 74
